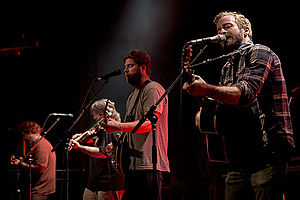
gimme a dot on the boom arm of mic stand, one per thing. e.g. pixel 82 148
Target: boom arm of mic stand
pixel 220 57
pixel 43 135
pixel 153 118
pixel 149 115
pixel 83 110
pixel 87 106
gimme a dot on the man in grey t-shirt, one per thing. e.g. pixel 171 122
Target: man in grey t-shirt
pixel 139 182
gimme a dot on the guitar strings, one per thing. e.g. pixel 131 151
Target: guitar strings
pixel 201 51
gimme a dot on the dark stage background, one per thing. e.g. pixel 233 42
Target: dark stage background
pixel 61 49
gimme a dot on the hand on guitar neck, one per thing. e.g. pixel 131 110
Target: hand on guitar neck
pixel 198 87
pixel 191 79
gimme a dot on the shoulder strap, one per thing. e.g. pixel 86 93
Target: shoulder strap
pixel 136 100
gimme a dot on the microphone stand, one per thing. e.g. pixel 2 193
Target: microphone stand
pixel 81 112
pixel 150 113
pixel 29 155
pixel 201 51
pixel 67 136
pixel 220 57
pixel 30 160
pixel 153 119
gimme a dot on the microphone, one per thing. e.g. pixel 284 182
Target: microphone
pixel 215 39
pixel 62 114
pixel 109 75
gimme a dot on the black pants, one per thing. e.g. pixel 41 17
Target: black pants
pixel 140 184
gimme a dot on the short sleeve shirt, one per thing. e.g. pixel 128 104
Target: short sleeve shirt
pixel 140 144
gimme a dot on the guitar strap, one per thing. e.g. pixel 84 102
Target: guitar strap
pixel 129 117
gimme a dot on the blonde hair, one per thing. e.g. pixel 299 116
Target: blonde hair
pixel 99 106
pixel 240 20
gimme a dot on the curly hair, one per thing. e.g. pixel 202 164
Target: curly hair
pixel 240 20
pixel 140 57
pixel 29 127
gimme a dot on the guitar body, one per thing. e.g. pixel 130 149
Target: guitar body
pixel 208 116
pixel 122 159
pixel 214 141
pixel 207 122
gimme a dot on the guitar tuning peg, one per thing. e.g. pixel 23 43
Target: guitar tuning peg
pixel 110 109
pixel 111 102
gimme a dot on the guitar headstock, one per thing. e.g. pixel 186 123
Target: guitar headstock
pixel 186 59
pixel 109 109
pixel 186 56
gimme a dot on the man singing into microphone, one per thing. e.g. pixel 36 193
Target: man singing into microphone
pixel 139 178
pixel 253 113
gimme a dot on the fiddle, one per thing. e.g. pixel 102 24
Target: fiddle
pixel 97 127
pixel 87 134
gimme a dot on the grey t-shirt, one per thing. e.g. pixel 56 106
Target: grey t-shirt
pixel 140 144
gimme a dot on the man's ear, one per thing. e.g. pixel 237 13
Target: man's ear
pixel 247 31
pixel 144 68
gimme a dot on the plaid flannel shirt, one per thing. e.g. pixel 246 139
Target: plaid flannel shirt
pixel 255 65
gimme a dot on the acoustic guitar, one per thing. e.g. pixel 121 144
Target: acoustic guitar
pixel 122 159
pixel 207 121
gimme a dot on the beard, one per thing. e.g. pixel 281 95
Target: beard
pixel 134 79
pixel 233 42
